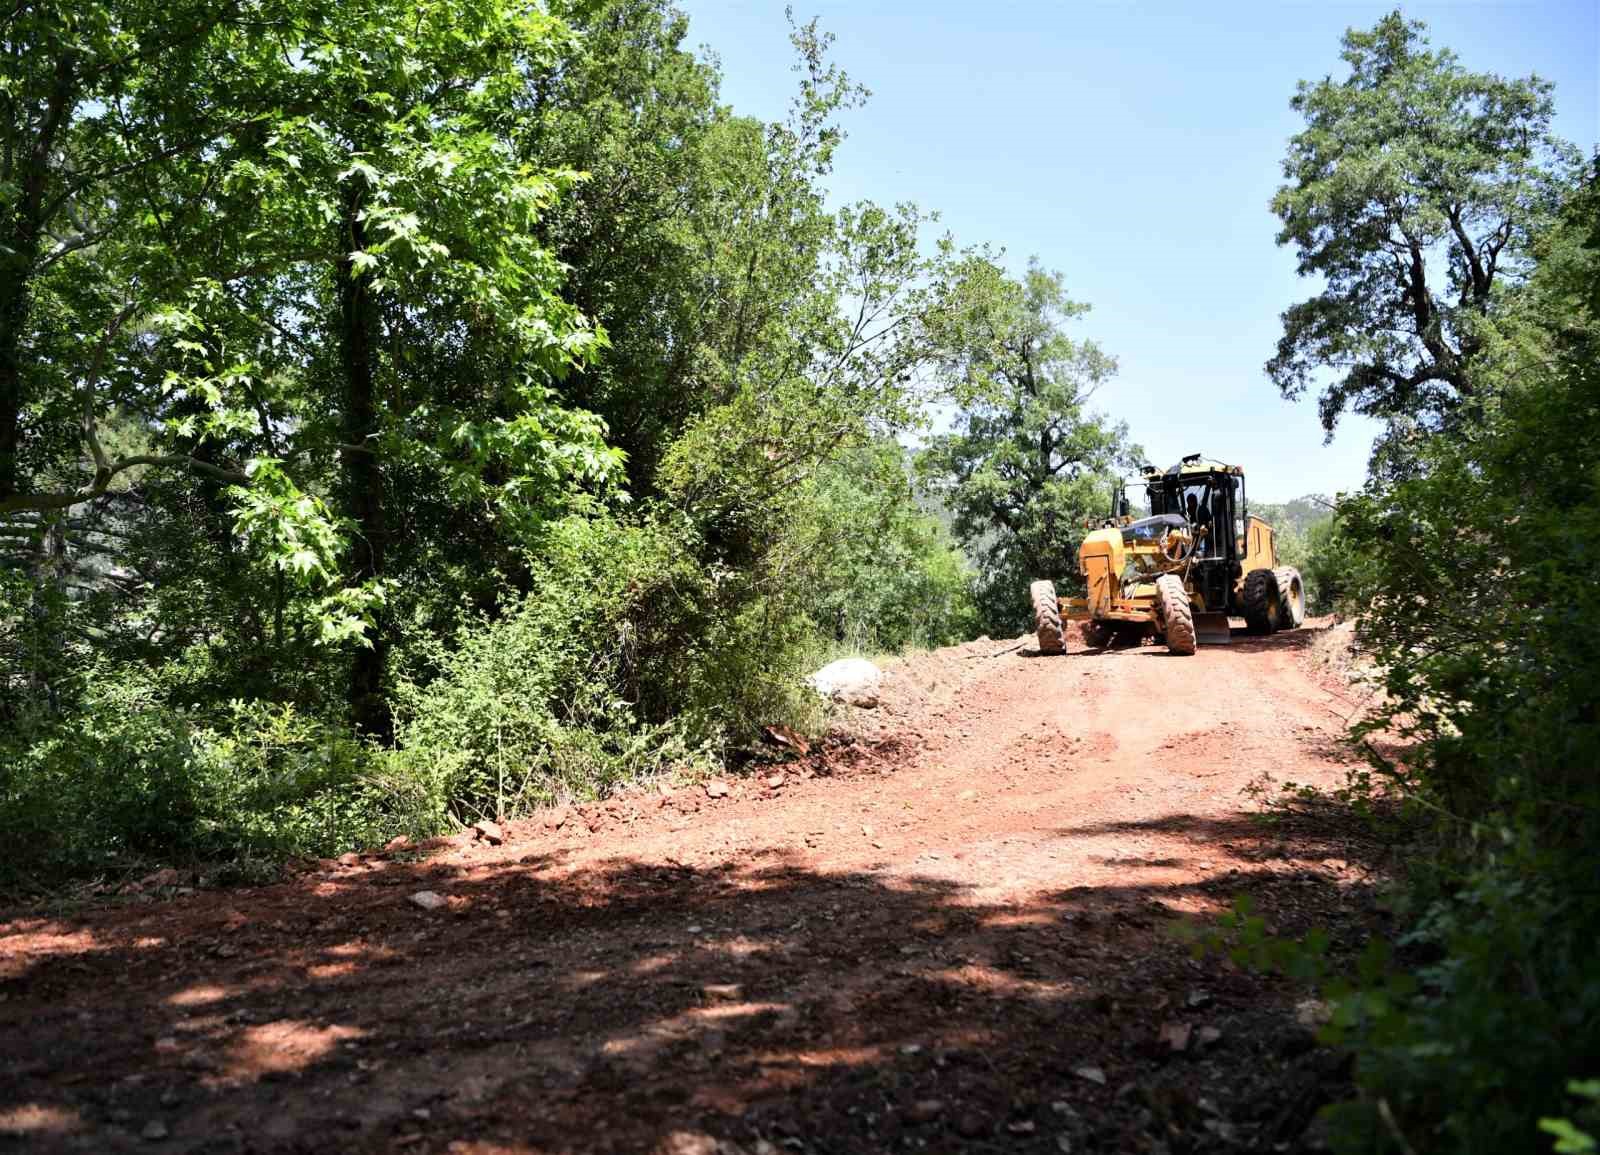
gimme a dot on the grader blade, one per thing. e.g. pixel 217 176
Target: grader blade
pixel 1212 629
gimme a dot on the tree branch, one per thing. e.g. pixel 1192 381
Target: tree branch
pixel 1480 279
pixel 40 502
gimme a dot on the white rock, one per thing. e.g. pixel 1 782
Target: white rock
pixel 427 900
pixel 853 681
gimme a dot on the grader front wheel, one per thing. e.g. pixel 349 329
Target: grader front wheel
pixel 1177 617
pixel 1047 618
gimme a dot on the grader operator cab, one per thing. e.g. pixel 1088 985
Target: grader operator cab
pixel 1178 574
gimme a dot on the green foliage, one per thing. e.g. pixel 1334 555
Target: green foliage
pixel 534 704
pixel 1028 464
pixel 872 568
pixel 249 780
pixel 463 376
pixel 1483 614
pixel 1413 192
pixel 1335 567
pixel 1569 1139
pixel 1470 557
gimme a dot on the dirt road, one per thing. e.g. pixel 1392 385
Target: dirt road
pixel 954 937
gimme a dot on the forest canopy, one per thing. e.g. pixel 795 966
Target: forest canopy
pixel 412 411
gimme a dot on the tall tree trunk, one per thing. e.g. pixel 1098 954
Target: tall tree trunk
pixel 363 474
pixel 13 315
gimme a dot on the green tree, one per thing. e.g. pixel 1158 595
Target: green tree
pixel 103 106
pixel 337 269
pixel 1412 192
pixel 877 571
pixel 1027 464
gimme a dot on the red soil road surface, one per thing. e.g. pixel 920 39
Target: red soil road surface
pixel 952 936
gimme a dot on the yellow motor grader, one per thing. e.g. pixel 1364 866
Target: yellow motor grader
pixel 1179 574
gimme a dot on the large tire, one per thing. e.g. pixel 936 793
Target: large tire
pixel 1291 597
pixel 1177 618
pixel 1047 618
pixel 1262 611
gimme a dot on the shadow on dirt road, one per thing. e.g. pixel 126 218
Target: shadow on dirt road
pixel 756 1007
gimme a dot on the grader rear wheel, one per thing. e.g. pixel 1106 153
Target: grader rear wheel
pixel 1177 617
pixel 1291 598
pixel 1047 618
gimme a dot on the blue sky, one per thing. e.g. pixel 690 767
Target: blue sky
pixel 1135 148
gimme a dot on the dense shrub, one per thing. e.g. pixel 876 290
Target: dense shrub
pixel 544 699
pixel 1332 563
pixel 1475 572
pixel 254 780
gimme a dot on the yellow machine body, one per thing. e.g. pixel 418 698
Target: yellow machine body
pixel 1122 561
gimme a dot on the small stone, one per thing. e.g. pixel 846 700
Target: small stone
pixel 350 858
pixel 971 1125
pixel 1064 1144
pixel 154 1131
pixel 1093 1074
pixel 696 929
pixel 911 1049
pixel 400 842
pixel 489 832
pixel 427 900
pixel 558 818
pixel 716 788
pixel 1022 1127
pixel 730 991
pixel 686 1143
pixel 1208 1036
pixel 1223 1130
pixel 421 1113
pixel 1198 998
pixel 1312 1013
pixel 1176 1036
pixel 924 1111
pixel 775 781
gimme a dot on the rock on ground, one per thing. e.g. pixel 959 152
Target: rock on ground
pixel 853 681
